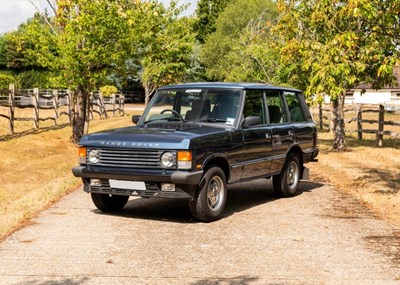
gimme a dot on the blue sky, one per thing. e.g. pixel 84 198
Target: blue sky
pixel 15 12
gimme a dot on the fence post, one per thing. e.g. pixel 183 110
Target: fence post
pixel 122 104
pixel 36 107
pixel 55 105
pixel 321 123
pixel 359 122
pixel 381 121
pixel 11 100
pixel 70 103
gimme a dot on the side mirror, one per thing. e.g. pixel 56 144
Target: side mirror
pixel 251 121
pixel 135 119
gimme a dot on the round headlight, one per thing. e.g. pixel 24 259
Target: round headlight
pixel 167 159
pixel 93 156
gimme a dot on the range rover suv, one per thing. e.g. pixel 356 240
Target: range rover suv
pixel 195 138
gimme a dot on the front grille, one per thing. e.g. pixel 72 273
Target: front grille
pixel 130 158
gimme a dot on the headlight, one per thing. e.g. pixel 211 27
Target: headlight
pixel 93 156
pixel 167 159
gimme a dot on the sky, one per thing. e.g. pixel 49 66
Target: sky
pixel 15 12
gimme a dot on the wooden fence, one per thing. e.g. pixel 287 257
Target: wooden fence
pixel 325 114
pixel 58 100
pixel 102 105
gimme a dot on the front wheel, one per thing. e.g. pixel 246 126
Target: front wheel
pixel 109 203
pixel 209 202
pixel 286 184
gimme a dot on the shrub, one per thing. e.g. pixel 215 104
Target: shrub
pixel 108 90
pixel 5 80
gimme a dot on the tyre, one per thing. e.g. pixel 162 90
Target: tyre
pixel 209 201
pixel 109 203
pixel 286 184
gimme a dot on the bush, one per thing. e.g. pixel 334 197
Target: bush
pixel 108 90
pixel 6 79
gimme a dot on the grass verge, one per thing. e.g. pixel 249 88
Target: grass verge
pixel 36 170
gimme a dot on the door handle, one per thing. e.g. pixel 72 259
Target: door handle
pixel 290 133
pixel 268 135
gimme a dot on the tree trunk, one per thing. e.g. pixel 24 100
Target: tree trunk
pixel 339 141
pixel 80 119
pixel 149 89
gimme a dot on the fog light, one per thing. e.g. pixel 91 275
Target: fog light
pixel 168 187
pixel 95 182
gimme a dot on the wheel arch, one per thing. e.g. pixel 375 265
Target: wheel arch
pixel 220 161
pixel 296 149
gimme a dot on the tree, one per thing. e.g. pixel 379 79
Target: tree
pixel 162 45
pixel 227 43
pixel 338 45
pixel 252 56
pixel 29 52
pixel 91 45
pixel 207 13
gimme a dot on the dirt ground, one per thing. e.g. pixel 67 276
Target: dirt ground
pixel 368 172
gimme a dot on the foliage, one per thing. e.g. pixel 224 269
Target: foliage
pixel 29 52
pixel 90 48
pixel 5 80
pixel 108 90
pixel 233 40
pixel 162 44
pixel 207 13
pixel 32 46
pixel 339 44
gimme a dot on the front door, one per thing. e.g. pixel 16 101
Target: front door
pixel 257 139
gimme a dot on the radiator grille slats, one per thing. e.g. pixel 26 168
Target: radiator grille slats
pixel 130 158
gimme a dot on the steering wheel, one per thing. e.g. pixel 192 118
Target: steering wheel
pixel 173 112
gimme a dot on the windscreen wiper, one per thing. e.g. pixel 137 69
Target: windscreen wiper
pixel 213 120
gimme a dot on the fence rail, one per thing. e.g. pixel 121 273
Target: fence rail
pixel 58 100
pixel 358 111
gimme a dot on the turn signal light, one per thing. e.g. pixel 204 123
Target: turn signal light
pixel 82 155
pixel 184 156
pixel 184 159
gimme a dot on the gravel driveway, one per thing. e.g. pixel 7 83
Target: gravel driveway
pixel 319 237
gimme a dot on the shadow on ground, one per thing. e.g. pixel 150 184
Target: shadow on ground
pixel 32 131
pixel 242 280
pixel 57 281
pixel 241 197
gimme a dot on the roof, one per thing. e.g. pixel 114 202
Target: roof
pixel 227 85
pixel 396 86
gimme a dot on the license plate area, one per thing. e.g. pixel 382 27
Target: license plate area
pixel 127 185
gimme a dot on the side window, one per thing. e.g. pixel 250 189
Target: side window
pixel 276 110
pixel 254 105
pixel 293 103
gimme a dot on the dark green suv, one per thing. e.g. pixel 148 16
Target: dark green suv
pixel 193 139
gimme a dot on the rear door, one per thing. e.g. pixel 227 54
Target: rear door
pixel 303 130
pixel 281 128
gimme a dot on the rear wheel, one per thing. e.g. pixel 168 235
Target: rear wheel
pixel 286 184
pixel 109 203
pixel 210 200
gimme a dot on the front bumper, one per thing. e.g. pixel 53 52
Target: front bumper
pixel 183 181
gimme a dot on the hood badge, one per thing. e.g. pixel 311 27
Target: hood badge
pixel 129 144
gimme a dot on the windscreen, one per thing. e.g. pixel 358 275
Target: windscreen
pixel 194 105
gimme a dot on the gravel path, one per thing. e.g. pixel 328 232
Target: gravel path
pixel 319 237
